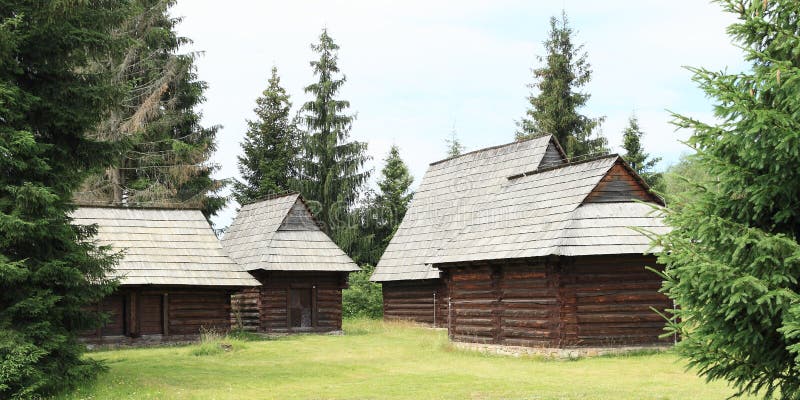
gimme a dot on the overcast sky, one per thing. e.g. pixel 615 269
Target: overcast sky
pixel 416 69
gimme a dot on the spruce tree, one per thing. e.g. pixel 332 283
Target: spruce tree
pixel 554 109
pixel 169 161
pixel 394 197
pixel 270 146
pixel 733 259
pixel 635 155
pixel 331 166
pixel 379 214
pixel 165 161
pixel 51 95
pixel 454 145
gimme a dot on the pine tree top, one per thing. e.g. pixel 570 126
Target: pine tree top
pixel 324 114
pixel 396 179
pixel 557 96
pixel 269 147
pixel 454 145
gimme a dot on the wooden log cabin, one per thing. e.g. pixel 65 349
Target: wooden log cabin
pixel 301 269
pixel 550 260
pixel 444 203
pixel 175 278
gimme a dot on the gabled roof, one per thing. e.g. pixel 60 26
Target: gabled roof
pixel 577 209
pixel 280 234
pixel 163 247
pixel 448 197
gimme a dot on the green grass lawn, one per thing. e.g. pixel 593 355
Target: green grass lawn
pixel 377 360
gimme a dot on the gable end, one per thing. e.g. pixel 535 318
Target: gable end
pixel 299 218
pixel 553 155
pixel 620 185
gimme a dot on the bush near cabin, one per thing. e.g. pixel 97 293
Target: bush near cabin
pixel 363 298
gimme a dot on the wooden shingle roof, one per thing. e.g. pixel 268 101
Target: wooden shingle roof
pixel 448 198
pixel 577 209
pixel 163 247
pixel 280 234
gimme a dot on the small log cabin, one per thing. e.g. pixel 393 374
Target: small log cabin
pixel 550 260
pixel 175 278
pixel 301 270
pixel 444 203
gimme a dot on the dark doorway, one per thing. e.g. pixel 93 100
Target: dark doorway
pixel 152 314
pixel 300 308
pixel 114 307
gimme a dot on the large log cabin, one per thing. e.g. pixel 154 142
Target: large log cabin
pixel 301 269
pixel 520 247
pixel 444 203
pixel 175 279
pixel 550 260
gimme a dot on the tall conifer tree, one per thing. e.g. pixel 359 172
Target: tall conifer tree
pixel 165 161
pixel 270 146
pixel 394 196
pixel 51 95
pixel 640 161
pixel 733 259
pixel 554 109
pixel 331 166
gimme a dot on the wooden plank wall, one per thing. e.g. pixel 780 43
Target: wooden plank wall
pixel 583 301
pixel 529 306
pixel 164 311
pixel 151 308
pixel 414 301
pixel 327 294
pixel 246 310
pixel 114 306
pixel 191 312
pixel 552 157
pixel 299 219
pixel 613 300
pixel 619 186
pixel 473 302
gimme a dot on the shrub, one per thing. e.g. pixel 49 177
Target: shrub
pixel 363 298
pixel 213 342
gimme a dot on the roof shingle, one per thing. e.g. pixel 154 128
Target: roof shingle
pixel 544 213
pixel 163 247
pixel 279 234
pixel 447 200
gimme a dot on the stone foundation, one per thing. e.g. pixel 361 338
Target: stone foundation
pixel 555 353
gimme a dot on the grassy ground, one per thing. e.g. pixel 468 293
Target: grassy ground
pixel 376 360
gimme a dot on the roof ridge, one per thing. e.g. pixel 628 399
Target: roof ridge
pixel 489 148
pixel 271 196
pixel 568 164
pixel 443 205
pixel 136 206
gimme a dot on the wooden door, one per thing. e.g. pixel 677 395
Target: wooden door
pixel 300 308
pixel 151 312
pixel 114 307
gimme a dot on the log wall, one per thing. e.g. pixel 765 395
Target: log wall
pixel 414 301
pixel 164 312
pixel 192 312
pixel 267 309
pixel 560 302
pixel 613 301
pixel 246 310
